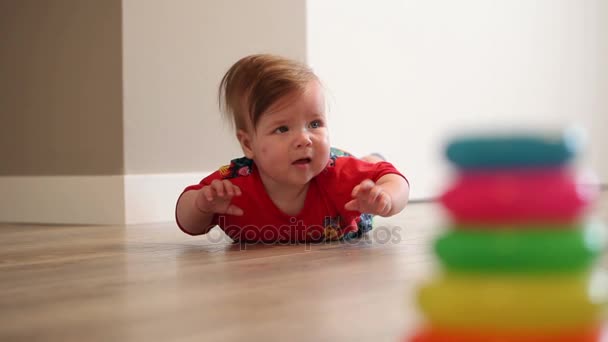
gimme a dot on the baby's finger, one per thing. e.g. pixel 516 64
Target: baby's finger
pixel 364 188
pixel 367 184
pixel 352 205
pixel 208 193
pixel 236 190
pixel 361 188
pixel 218 186
pixel 234 210
pixel 355 191
pixel 384 205
pixel 228 187
pixel 374 194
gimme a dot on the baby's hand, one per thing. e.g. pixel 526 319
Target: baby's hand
pixel 216 197
pixel 370 199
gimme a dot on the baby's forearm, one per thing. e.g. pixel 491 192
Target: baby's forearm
pixel 398 189
pixel 192 220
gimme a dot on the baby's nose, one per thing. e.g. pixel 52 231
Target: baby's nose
pixel 303 139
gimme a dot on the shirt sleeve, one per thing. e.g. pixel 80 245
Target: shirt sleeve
pixel 350 169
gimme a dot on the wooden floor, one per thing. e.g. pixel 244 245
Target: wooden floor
pixel 152 282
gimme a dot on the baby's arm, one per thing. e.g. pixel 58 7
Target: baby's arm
pixel 189 217
pixel 386 197
pixel 196 208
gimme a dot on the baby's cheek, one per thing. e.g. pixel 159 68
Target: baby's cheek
pixel 268 154
pixel 327 140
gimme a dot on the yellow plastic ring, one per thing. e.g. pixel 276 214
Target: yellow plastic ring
pixel 517 302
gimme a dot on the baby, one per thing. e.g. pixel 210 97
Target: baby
pixel 290 186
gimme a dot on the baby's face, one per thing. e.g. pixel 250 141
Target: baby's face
pixel 291 142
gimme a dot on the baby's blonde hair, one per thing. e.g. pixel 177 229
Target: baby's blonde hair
pixel 256 82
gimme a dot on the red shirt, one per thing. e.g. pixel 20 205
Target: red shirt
pixel 322 217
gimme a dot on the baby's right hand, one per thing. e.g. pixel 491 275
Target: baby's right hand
pixel 216 197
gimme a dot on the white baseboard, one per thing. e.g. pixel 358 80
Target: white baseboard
pixel 152 197
pixel 121 199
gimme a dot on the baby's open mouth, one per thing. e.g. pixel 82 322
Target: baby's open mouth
pixel 302 161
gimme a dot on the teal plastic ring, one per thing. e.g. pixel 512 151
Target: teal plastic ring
pixel 506 151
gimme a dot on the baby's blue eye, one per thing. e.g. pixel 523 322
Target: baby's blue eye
pixel 281 129
pixel 316 124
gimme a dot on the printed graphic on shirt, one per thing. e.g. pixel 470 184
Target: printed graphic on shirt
pixel 335 153
pixel 239 167
pixel 365 223
pixel 332 229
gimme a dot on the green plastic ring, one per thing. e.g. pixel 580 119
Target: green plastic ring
pixel 520 250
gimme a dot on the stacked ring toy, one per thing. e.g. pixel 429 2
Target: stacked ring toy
pixel 518 252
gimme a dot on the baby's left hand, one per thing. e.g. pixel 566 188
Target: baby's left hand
pixel 370 199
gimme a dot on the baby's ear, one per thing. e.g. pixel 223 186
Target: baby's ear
pixel 245 140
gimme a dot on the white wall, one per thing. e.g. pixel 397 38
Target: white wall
pixel 601 122
pixel 406 74
pixel 175 54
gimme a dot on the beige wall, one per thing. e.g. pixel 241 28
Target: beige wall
pixel 60 87
pixel 175 53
